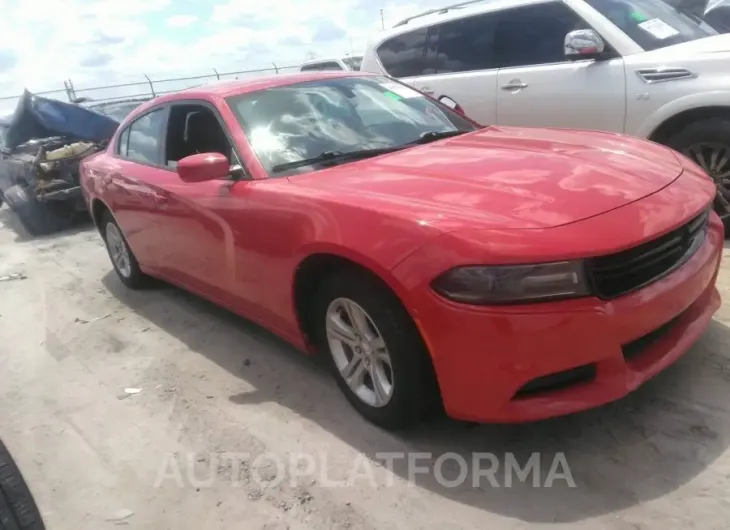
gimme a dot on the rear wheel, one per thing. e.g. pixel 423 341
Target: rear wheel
pixel 123 260
pixel 18 510
pixel 375 350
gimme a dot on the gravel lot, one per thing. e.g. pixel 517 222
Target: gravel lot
pixel 211 385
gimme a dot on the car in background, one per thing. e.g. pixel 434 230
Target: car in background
pixel 510 273
pixel 117 109
pixel 43 143
pixel 344 63
pixel 639 67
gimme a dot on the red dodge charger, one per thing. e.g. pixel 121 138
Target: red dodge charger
pixel 511 274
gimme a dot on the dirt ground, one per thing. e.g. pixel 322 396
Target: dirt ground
pixel 211 385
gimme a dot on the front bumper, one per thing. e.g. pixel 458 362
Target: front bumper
pixel 525 363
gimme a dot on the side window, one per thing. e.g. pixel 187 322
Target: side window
pixel 535 34
pixel 192 129
pixel 463 45
pixel 145 137
pixel 402 56
pixel 311 67
pixel 123 142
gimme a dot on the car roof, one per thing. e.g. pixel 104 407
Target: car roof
pixel 452 12
pixel 237 87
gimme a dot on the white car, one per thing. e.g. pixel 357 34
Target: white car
pixel 343 63
pixel 638 67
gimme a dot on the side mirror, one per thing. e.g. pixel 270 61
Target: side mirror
pixel 453 105
pixel 583 44
pixel 202 167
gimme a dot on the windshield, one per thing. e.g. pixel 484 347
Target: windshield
pixel 353 63
pixel 652 24
pixel 342 115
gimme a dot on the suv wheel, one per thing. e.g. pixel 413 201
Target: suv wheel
pixel 707 142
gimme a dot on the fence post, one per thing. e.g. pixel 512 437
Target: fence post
pixel 217 74
pixel 70 92
pixel 275 67
pixel 152 87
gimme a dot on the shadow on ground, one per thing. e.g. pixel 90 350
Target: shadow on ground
pixel 640 448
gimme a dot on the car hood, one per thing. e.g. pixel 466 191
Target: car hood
pixel 714 44
pixel 503 177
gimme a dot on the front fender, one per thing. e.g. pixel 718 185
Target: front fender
pixel 715 98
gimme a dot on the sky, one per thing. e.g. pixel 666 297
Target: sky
pixel 101 42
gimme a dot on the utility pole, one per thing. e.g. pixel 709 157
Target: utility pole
pixel 382 19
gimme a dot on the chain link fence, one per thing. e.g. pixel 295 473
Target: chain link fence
pixel 147 86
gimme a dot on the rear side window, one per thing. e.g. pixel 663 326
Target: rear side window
pixel 463 45
pixel 144 138
pixel 311 67
pixel 534 35
pixel 123 145
pixel 402 56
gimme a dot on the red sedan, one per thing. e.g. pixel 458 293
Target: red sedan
pixel 513 274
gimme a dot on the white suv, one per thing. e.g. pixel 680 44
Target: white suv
pixel 638 67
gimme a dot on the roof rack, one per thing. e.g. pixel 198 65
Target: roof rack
pixel 439 10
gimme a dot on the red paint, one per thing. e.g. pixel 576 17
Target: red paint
pixel 203 167
pixel 497 196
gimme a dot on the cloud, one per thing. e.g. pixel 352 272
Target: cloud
pixel 8 59
pixel 181 21
pixel 96 59
pixel 102 42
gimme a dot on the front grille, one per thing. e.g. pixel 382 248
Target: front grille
pixel 623 272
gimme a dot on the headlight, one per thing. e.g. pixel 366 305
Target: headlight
pixel 512 284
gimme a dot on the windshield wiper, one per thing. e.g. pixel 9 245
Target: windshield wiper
pixel 335 156
pixel 432 136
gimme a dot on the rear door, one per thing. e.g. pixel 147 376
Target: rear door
pixel 455 59
pixel 538 87
pixel 134 181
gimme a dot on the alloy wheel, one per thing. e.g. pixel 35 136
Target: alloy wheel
pixel 118 250
pixel 359 352
pixel 713 157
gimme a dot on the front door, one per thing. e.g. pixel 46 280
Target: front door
pixel 197 217
pixel 538 87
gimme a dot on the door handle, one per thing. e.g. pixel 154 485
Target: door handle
pixel 427 90
pixel 515 84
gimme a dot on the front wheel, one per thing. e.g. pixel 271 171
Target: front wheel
pixel 375 350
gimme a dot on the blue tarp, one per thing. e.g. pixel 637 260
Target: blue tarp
pixel 39 117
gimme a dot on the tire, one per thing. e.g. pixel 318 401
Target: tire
pixel 18 510
pixel 129 273
pixel 697 139
pixel 36 217
pixel 414 391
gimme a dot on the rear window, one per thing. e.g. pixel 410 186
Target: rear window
pixel 402 56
